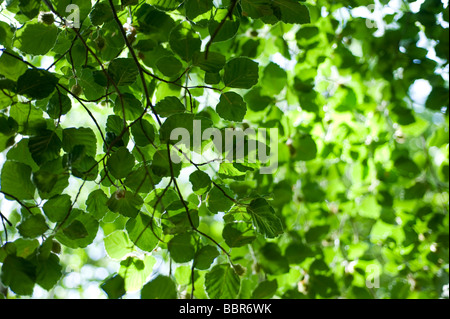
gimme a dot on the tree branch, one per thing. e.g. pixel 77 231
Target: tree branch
pixel 220 26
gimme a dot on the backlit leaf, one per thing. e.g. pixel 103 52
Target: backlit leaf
pixel 222 282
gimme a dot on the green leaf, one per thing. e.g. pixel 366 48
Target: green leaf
pixel 19 275
pixel 238 234
pixel 143 132
pixel 91 90
pixel 229 170
pixel 167 197
pixel 163 166
pixel 114 41
pixel 169 65
pixel 7 86
pixel 169 106
pixel 305 148
pixel 96 204
pixel 222 282
pixel 36 38
pixel 117 244
pixel 177 220
pixel 154 22
pixel 125 203
pixel 20 153
pixel 264 218
pixel 194 8
pixel 161 287
pixel 144 232
pixel 58 105
pixel 241 73
pixel 201 182
pixel 312 192
pixel 184 41
pixel 121 163
pixel 25 247
pixel 135 271
pixel 84 7
pixel 307 32
pixel 101 13
pixel 29 8
pixel 6 141
pixel 213 64
pixel 223 30
pixel 181 248
pixel 10 67
pixel 272 260
pixel 33 226
pixel 438 99
pixel 8 126
pixel 82 136
pixel 183 275
pixel 130 104
pixel 86 168
pixel 256 8
pixel 218 201
pixel 114 127
pixel 256 101
pixel 205 257
pixel 406 167
pixel 182 121
pixel 114 287
pixel 369 207
pixel 29 118
pixel 78 54
pixel 123 71
pixel 265 289
pixel 296 253
pixel 416 191
pixel 48 271
pixel 166 5
pixel 142 180
pixel 16 180
pixel 6 34
pixel 324 286
pixel 291 11
pixel 274 79
pixel 57 207
pixel 51 179
pixel 74 235
pixel 317 233
pixel 75 230
pixel 231 107
pixel 45 147
pixel 212 78
pixel 36 84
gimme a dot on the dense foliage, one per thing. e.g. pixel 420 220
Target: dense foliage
pixel 94 205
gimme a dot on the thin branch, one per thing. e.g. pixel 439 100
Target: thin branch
pixel 133 54
pixel 87 110
pixel 147 175
pixel 197 166
pixel 219 27
pixel 3 217
pixel 187 208
pixel 58 226
pixel 193 278
pixel 100 63
pixel 18 201
pixel 65 89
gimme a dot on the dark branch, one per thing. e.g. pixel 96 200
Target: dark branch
pixel 220 26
